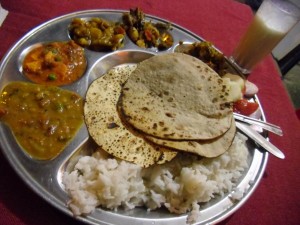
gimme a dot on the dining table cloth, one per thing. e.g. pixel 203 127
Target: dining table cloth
pixel 276 200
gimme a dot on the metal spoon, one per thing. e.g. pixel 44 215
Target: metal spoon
pixel 265 125
pixel 259 139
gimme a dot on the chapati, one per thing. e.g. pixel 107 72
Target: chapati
pixel 176 96
pixel 206 148
pixel 105 127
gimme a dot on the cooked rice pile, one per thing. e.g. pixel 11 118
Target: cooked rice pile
pixel 179 185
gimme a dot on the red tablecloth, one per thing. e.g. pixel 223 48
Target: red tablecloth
pixel 275 201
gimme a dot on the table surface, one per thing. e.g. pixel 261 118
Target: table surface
pixel 275 201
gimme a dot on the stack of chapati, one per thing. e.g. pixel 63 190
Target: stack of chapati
pixel 168 103
pixel 106 128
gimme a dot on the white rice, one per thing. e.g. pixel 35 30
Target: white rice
pixel 99 181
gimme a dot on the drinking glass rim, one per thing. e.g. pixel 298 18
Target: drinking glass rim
pixel 287 6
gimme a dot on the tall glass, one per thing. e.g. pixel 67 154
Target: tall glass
pixel 271 23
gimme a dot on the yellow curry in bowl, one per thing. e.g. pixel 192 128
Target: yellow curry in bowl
pixel 43 119
pixel 97 34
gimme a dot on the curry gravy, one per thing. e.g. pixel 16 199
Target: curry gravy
pixel 55 63
pixel 42 118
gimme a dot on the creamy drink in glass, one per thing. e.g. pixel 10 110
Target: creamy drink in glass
pixel 270 24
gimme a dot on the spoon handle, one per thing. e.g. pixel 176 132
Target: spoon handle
pixel 265 125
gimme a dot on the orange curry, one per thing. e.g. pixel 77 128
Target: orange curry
pixel 56 63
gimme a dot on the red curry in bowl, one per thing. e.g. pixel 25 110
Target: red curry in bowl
pixel 55 63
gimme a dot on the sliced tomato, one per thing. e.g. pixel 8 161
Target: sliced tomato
pixel 120 30
pixel 2 112
pixel 148 35
pixel 245 107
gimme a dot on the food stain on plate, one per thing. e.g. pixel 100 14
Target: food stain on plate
pixel 44 119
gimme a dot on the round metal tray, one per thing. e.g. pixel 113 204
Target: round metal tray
pixel 45 177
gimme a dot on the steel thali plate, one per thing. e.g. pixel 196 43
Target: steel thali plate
pixel 45 177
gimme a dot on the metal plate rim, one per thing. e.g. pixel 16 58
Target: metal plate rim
pixel 53 200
